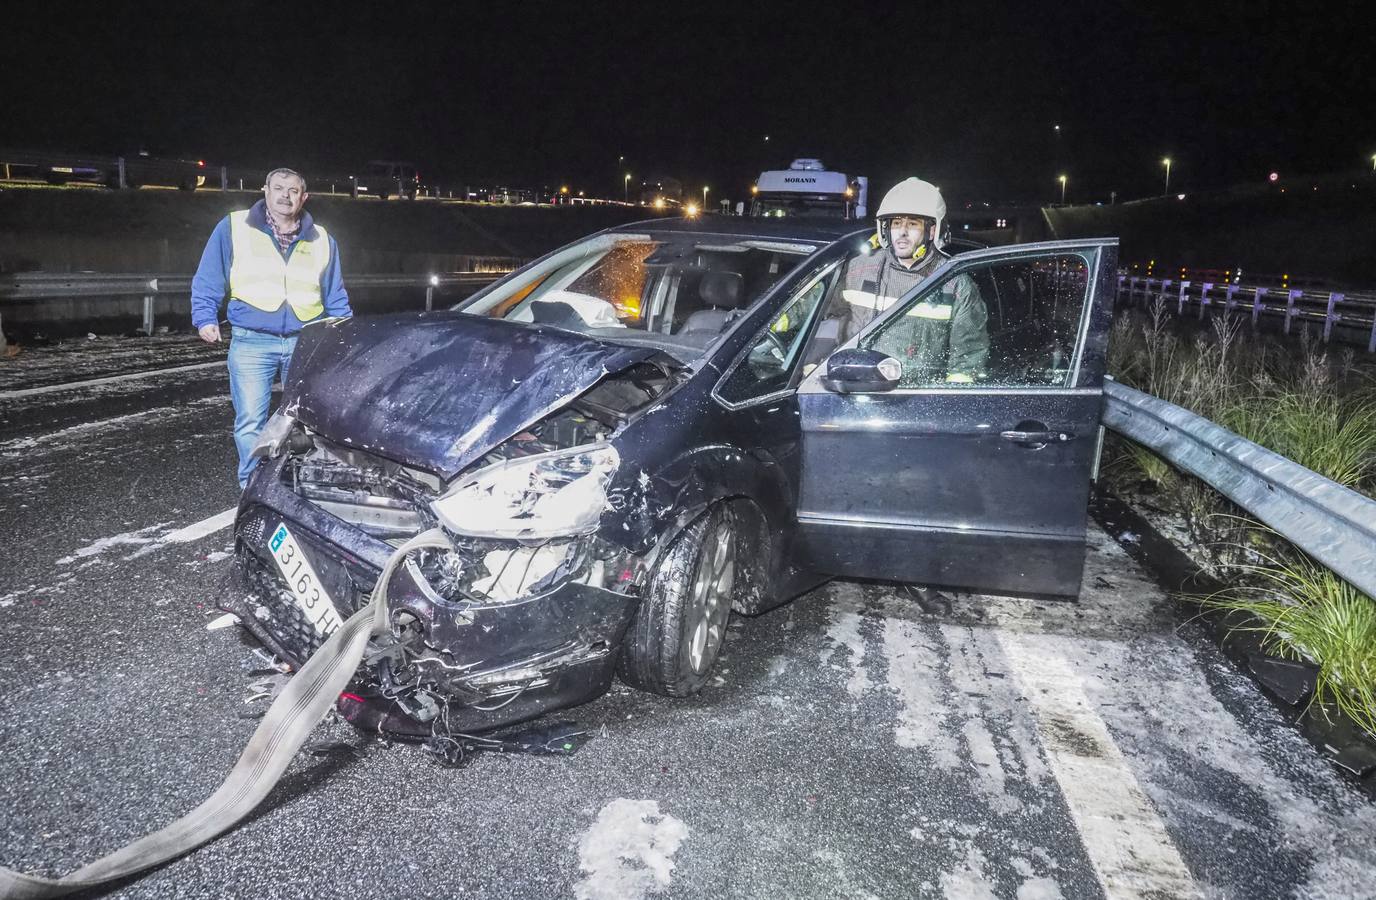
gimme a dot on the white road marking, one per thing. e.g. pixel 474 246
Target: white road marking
pixel 202 528
pixel 628 851
pixel 19 445
pixel 1127 843
pixel 139 538
pixel 149 538
pixel 843 630
pixel 74 385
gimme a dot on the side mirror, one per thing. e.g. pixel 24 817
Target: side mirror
pixel 856 371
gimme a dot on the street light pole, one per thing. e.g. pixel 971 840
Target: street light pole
pixel 704 197
pixel 1167 162
pixel 626 188
pixel 1062 180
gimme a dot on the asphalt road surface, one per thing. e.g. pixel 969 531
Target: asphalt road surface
pixel 862 741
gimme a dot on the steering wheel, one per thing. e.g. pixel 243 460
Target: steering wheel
pixel 780 348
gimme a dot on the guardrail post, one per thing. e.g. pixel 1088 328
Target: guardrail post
pixel 1332 316
pixel 1204 296
pixel 1118 297
pixel 224 178
pixel 429 297
pixel 148 313
pixel 1180 300
pixel 1229 300
pixel 1371 344
pixel 1258 304
pixel 119 161
pixel 1290 307
pixel 1161 294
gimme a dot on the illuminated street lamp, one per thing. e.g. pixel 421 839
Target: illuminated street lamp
pixel 1062 181
pixel 1373 162
pixel 1167 163
pixel 626 188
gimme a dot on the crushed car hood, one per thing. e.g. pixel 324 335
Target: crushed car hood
pixel 437 391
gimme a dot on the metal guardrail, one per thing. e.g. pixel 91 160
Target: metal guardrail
pixel 1333 524
pixel 55 285
pixel 1347 316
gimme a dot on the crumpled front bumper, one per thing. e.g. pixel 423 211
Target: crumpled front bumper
pixel 487 663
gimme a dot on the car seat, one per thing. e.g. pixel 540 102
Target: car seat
pixel 721 293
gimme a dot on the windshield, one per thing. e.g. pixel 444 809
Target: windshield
pixel 671 289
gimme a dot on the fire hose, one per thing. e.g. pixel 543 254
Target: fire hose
pixel 286 725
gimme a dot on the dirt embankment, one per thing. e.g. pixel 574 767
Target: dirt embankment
pixel 165 231
pixel 1316 229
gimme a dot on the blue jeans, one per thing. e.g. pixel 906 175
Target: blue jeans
pixel 255 360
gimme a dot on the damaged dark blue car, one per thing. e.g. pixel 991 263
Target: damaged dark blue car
pixel 639 433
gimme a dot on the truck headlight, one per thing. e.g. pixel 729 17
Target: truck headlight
pixel 556 494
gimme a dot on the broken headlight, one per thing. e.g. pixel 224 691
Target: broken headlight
pixel 554 494
pixel 273 436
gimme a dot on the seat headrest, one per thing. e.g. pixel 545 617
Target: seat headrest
pixel 722 289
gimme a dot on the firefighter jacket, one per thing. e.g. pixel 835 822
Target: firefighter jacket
pixel 945 337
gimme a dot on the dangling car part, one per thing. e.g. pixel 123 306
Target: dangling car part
pixel 638 434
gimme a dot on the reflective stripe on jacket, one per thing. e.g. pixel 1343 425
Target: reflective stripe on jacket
pixel 945 337
pixel 262 278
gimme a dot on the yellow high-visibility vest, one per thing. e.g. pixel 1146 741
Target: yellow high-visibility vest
pixel 260 277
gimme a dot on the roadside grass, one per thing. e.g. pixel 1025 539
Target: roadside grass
pixel 1305 612
pixel 1312 407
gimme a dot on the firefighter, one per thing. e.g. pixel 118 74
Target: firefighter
pixel 945 337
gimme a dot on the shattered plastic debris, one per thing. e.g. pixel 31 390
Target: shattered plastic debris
pixel 1290 680
pixel 263 689
pixel 224 621
pixel 264 663
pixel 333 747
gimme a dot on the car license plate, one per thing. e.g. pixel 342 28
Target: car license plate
pixel 66 170
pixel 304 584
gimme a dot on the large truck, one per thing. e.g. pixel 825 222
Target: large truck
pixel 129 171
pixel 809 188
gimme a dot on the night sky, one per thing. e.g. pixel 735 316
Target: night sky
pixel 966 95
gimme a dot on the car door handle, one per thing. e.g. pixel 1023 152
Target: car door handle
pixel 1037 437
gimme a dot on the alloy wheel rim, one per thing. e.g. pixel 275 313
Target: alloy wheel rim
pixel 711 598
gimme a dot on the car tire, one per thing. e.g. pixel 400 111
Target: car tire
pixel 678 630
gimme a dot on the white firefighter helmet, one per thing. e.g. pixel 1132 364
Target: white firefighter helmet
pixel 912 197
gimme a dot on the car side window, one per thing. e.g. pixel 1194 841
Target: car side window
pixel 768 365
pixel 1006 323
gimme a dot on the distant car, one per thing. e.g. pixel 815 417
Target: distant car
pixel 384 179
pixel 636 434
pixel 140 168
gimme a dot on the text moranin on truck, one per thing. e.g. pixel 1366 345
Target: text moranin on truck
pixel 809 188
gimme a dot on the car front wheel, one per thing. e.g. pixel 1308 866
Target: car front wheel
pixel 679 627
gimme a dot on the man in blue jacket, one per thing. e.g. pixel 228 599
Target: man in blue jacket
pixel 280 270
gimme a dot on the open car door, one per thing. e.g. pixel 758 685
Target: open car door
pixel 911 472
